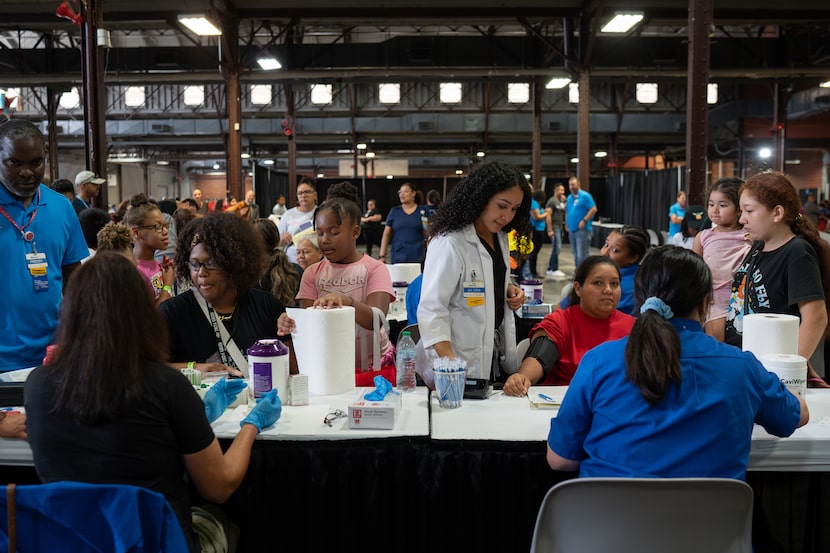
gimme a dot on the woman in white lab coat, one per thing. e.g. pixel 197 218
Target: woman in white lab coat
pixel 467 299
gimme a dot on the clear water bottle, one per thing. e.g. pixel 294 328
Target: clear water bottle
pixel 405 363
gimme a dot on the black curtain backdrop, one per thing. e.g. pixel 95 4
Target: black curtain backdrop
pixel 641 198
pixel 268 185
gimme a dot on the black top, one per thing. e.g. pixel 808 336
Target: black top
pixel 499 270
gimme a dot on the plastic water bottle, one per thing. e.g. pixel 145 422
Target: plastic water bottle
pixel 405 363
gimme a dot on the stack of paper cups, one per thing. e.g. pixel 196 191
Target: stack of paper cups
pixel 765 333
pixel 791 369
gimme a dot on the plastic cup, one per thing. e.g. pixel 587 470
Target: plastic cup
pixel 449 385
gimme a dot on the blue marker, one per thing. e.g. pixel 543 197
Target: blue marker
pixel 546 398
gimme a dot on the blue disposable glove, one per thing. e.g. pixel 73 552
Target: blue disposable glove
pixel 266 412
pixel 220 395
pixel 382 387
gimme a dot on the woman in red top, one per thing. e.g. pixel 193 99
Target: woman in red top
pixel 560 340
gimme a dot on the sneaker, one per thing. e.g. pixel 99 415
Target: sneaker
pixel 559 275
pixel 550 275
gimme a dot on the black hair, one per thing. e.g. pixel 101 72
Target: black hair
pixel 140 208
pixel 167 206
pixel 15 129
pixel 434 197
pixel 342 199
pixel 469 198
pixel 636 239
pixel 92 220
pixel 581 273
pixel 233 243
pixel 682 280
pixel 63 186
pixel 539 196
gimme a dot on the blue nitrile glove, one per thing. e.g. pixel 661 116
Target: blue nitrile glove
pixel 266 412
pixel 220 395
pixel 382 387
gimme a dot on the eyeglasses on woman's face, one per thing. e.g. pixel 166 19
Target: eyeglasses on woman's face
pixel 305 192
pixel 158 227
pixel 196 265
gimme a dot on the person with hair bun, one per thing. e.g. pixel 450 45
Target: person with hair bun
pixel 346 276
pixel 150 233
pixel 669 401
pixel 789 266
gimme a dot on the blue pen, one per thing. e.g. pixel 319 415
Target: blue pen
pixel 546 398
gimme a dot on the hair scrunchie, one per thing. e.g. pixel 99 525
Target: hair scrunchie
pixel 656 304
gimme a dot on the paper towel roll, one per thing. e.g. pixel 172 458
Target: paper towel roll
pixel 790 369
pixel 765 333
pixel 404 272
pixel 324 344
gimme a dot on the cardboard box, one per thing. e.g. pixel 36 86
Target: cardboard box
pixel 535 311
pixel 378 415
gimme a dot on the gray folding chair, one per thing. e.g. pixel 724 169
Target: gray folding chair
pixel 645 515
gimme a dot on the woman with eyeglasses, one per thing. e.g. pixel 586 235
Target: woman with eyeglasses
pixel 150 233
pixel 213 324
pixel 297 219
pixel 308 251
pixel 403 237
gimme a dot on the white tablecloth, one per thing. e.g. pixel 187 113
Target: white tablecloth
pixel 511 419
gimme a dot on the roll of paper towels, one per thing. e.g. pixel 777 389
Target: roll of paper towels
pixel 765 333
pixel 324 344
pixel 404 272
pixel 790 369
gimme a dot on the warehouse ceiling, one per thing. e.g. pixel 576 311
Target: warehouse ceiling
pixel 763 54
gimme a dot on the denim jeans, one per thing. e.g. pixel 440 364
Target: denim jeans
pixel 581 245
pixel 556 242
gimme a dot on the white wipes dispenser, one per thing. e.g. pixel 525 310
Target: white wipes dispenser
pixel 268 368
pixel 790 368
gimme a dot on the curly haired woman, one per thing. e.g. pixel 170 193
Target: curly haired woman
pixel 467 296
pixel 214 323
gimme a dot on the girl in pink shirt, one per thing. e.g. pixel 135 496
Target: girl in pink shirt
pixel 346 276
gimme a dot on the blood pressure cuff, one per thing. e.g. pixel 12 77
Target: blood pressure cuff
pixel 545 352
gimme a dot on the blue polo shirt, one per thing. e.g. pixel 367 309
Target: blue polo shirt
pixel 576 208
pixel 28 319
pixel 677 211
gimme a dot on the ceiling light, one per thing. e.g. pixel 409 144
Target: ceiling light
pixel 600 154
pixel 573 93
pixel 199 25
pixel 193 95
pixel 269 64
pixel 321 175
pixel 574 160
pixel 71 99
pixel 825 84
pixel 390 177
pixel 134 96
pixel 216 166
pixel 361 146
pixel 245 156
pixel 162 162
pixel 622 23
pixel 764 153
pixel 260 94
pixel 370 154
pixel 268 162
pixel 557 83
pixel 321 94
pixel 459 171
pixel 480 153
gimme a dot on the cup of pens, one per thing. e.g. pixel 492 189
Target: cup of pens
pixel 450 375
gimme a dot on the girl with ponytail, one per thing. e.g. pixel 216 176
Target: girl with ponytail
pixel 788 264
pixel 669 401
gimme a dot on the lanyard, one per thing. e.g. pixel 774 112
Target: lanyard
pixel 28 235
pixel 223 352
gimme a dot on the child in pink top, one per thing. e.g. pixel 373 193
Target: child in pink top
pixel 723 247
pixel 150 233
pixel 346 276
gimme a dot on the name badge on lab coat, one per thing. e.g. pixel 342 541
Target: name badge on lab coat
pixel 474 292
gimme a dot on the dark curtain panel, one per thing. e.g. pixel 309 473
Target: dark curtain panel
pixel 268 185
pixel 642 198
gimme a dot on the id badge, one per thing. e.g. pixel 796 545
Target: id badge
pixel 36 264
pixel 474 292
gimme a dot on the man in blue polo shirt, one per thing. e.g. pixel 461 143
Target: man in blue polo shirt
pixel 40 244
pixel 579 215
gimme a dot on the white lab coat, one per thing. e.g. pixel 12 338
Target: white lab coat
pixel 443 313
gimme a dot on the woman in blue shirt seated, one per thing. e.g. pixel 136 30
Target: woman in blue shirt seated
pixel 669 401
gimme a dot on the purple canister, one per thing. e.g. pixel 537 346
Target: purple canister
pixel 268 368
pixel 533 291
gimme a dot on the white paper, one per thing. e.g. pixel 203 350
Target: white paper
pixel 324 344
pixel 765 333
